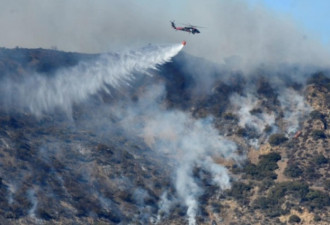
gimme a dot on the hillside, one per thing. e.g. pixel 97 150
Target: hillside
pixel 188 142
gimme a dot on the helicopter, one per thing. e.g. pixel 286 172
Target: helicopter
pixel 190 28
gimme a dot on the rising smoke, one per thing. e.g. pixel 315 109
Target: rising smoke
pixel 188 141
pixel 255 38
pixel 173 134
pixel 295 109
pixel 252 122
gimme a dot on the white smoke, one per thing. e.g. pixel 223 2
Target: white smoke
pixel 244 105
pixel 39 94
pixel 165 206
pixel 189 142
pixel 31 194
pixel 295 108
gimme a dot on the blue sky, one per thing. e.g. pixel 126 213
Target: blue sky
pixel 313 16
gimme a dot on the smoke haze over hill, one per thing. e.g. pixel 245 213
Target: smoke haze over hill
pixel 237 34
pixel 156 135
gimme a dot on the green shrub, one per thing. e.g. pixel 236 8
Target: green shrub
pixel 317 218
pixel 241 132
pixel 319 159
pixel 265 167
pixel 248 132
pixel 265 203
pixel 293 170
pixel 295 188
pixel 277 139
pixel 269 162
pixel 268 129
pixel 317 115
pixel 230 116
pixel 311 173
pixel 266 183
pixel 256 111
pixel 317 199
pixel 327 184
pixel 294 219
pixel 271 157
pixel 318 134
pixel 240 190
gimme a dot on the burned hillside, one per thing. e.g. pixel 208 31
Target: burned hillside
pixel 181 142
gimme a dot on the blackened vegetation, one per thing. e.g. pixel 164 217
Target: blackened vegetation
pixel 267 93
pixel 20 61
pixel 320 80
pixel 181 86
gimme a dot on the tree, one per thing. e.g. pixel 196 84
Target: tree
pixel 294 219
pixel 277 139
pixel 293 170
pixel 318 134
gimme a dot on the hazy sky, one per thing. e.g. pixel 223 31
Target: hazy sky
pixel 313 16
pixel 244 32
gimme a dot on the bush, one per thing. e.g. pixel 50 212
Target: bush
pixel 294 219
pixel 327 184
pixel 317 218
pixel 268 129
pixel 265 203
pixel 295 188
pixel 318 134
pixel 277 139
pixel 317 199
pixel 256 111
pixel 320 159
pixel 266 183
pixel 269 161
pixel 248 132
pixel 265 167
pixel 320 79
pixel 271 157
pixel 240 190
pixel 241 132
pixel 270 206
pixel 317 115
pixel 293 170
pixel 311 173
pixel 230 116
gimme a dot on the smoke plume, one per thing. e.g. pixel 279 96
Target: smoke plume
pixel 189 142
pixel 295 109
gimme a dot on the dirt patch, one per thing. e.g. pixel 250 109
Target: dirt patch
pixel 282 164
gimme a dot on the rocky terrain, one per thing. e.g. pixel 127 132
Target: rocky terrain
pixel 188 142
